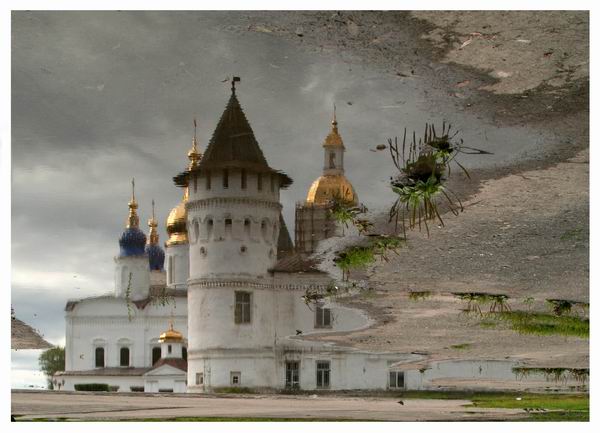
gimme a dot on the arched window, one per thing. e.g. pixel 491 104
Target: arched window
pixel 209 228
pixel 196 231
pixel 228 224
pixel 243 178
pixel 124 357
pixel 264 228
pixel 247 225
pixel 225 178
pixel 332 160
pixel 184 353
pixel 99 357
pixel 155 355
pixel 124 276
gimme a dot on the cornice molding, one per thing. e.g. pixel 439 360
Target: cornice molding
pixel 215 201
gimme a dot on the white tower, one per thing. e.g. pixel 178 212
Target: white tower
pixel 132 272
pixel 233 215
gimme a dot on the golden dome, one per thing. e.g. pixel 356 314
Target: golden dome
pixel 327 187
pixel 177 223
pixel 170 335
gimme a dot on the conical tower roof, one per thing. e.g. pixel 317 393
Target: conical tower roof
pixel 233 140
pixel 233 145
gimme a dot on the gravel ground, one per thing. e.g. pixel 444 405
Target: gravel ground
pixel 54 405
pixel 525 228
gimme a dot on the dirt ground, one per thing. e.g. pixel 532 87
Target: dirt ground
pixel 115 406
pixel 525 228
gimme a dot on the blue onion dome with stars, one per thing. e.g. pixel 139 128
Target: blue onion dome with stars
pixel 133 240
pixel 156 255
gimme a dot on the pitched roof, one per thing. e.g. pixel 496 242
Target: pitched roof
pixel 107 371
pixel 296 263
pixel 178 363
pixel 23 336
pixel 233 145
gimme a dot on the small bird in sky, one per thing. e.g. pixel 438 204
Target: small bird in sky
pixel 298 332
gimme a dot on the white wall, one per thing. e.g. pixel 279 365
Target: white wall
pixel 123 382
pixel 139 268
pixel 104 321
pixel 177 264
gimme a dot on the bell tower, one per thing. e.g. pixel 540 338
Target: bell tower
pixel 313 223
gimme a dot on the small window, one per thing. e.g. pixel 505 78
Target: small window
pixel 156 355
pixel 247 226
pixel 236 378
pixel 124 357
pixel 396 379
pixel 243 179
pixel 323 373
pixel 169 349
pixel 323 317
pixel 199 378
pixel 225 178
pixel 259 181
pixel 208 180
pixel 99 354
pixel 332 160
pixel 242 307
pixel 184 353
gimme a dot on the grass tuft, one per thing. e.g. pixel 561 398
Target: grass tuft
pixel 546 324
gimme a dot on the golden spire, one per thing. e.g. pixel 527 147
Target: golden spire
pixel 153 238
pixel 133 220
pixel 193 155
pixel 334 121
pixel 334 139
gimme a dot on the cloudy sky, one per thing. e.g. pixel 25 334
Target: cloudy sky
pixel 101 97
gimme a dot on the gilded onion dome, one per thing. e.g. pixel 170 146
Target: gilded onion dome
pixel 328 187
pixel 132 240
pixel 170 335
pixel 177 222
pixel 177 219
pixel 156 255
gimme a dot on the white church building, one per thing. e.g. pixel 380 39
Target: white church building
pixel 222 305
